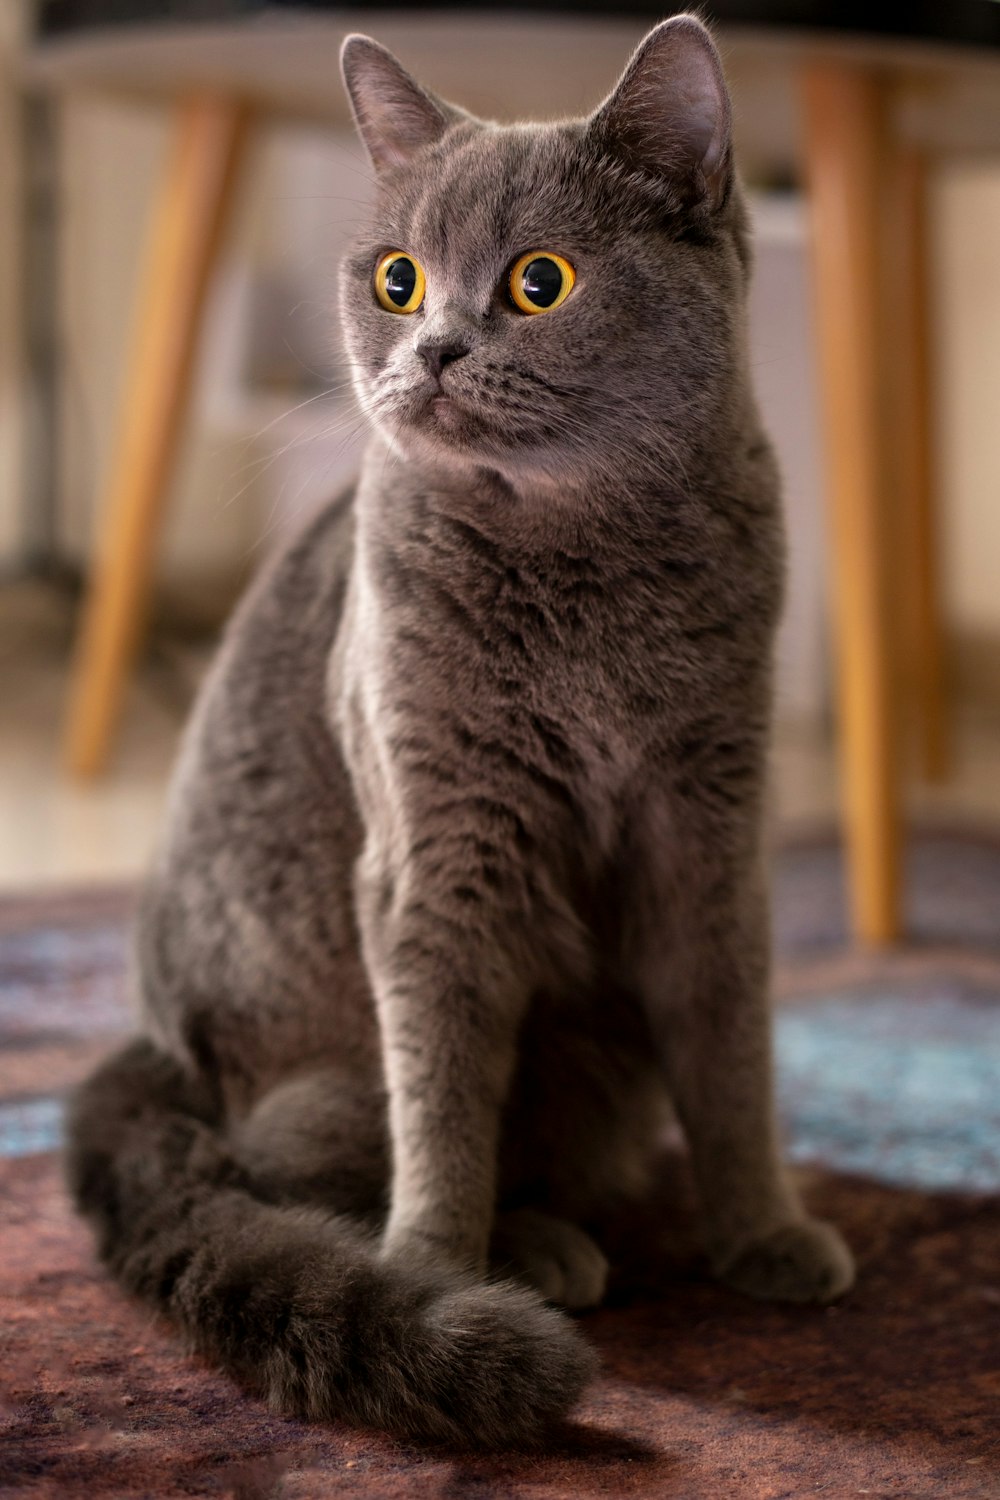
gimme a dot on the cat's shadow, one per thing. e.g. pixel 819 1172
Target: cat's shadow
pixel 690 1366
pixel 577 1459
pixel 872 1363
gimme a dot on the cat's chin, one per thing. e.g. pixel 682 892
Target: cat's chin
pixel 447 415
pixel 444 424
pixel 442 429
pixel 472 455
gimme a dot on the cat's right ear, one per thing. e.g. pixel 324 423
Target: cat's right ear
pixel 394 115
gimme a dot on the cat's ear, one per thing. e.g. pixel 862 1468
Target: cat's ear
pixel 670 114
pixel 395 116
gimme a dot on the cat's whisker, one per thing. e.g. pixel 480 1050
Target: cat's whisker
pixel 300 406
pixel 350 430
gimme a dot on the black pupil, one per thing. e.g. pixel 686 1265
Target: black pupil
pixel 401 281
pixel 541 281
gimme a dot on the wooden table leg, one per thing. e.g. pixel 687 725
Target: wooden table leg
pixel 188 222
pixel 844 130
pixel 913 466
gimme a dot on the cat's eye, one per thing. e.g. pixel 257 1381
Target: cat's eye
pixel 540 281
pixel 399 282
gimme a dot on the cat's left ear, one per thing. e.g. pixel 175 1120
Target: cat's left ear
pixel 670 114
pixel 395 116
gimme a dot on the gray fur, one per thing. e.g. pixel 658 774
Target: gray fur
pixel 461 888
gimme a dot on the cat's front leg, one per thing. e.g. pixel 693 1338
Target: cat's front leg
pixel 699 943
pixel 450 978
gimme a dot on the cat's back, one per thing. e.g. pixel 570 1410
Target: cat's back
pixel 262 706
pixel 251 881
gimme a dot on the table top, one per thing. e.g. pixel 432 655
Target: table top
pixel 537 63
pixel 969 22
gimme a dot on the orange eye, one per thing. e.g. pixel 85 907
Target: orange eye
pixel 399 282
pixel 540 281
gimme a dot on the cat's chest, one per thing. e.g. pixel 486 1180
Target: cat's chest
pixel 553 680
pixel 444 692
pixel 547 668
pixel 581 639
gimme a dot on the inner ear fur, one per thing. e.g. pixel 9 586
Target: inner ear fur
pixel 670 114
pixel 395 116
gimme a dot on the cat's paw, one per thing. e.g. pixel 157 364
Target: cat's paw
pixel 554 1256
pixel 803 1262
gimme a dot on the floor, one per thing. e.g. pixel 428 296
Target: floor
pixel 887 1087
pixel 886 1069
pixel 57 832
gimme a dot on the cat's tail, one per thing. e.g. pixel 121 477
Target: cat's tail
pixel 295 1303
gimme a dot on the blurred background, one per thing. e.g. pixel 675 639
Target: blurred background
pixel 88 110
pixel 177 181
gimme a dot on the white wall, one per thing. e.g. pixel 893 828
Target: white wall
pixel 781 354
pixel 13 395
pixel 298 200
pixel 967 250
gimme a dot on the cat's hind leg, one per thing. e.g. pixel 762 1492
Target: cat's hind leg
pixel 319 1138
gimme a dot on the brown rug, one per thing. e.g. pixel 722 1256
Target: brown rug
pixel 895 1392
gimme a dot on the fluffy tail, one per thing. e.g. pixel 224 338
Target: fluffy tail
pixel 295 1303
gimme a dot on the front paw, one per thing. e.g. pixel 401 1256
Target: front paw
pixel 556 1257
pixel 803 1262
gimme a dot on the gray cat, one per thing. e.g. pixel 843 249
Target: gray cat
pixel 461 890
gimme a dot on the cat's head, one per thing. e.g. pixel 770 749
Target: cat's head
pixel 550 300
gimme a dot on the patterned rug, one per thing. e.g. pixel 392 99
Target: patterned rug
pixel 889 1088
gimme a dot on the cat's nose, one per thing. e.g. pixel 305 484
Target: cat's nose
pixel 436 353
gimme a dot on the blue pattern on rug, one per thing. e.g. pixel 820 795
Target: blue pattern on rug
pixel 29 1127
pixel 897 1086
pixel 890 1076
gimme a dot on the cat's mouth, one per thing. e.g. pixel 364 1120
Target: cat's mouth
pixel 455 419
pixel 447 416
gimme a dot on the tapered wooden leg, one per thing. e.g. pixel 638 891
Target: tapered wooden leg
pixel 189 218
pixel 911 425
pixel 845 147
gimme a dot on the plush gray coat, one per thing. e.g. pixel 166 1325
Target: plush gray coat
pixel 461 887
